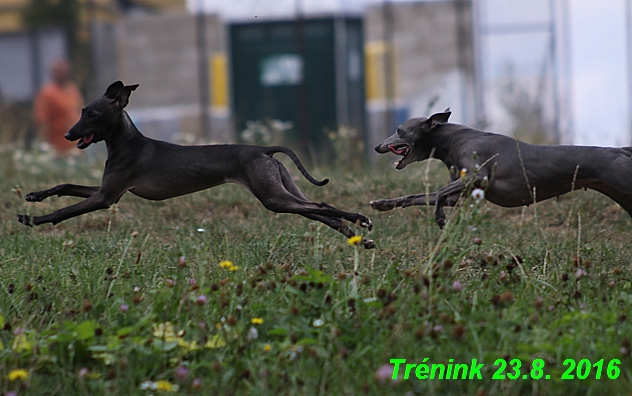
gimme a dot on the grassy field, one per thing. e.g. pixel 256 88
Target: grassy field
pixel 212 294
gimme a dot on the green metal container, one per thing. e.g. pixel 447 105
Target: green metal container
pixel 307 73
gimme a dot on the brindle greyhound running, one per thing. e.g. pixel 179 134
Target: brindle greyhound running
pixel 157 170
pixel 514 173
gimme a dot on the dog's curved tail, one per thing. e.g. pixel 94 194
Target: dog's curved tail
pixel 280 149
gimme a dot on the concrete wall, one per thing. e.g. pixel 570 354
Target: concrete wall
pixel 161 53
pixel 425 51
pixel 26 59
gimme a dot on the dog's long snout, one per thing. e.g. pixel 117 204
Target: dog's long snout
pixel 72 133
pixel 382 148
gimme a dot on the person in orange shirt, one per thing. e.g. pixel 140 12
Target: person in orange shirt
pixel 57 108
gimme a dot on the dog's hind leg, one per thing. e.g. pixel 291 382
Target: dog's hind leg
pixel 332 222
pixel 623 199
pixel 339 226
pixel 268 187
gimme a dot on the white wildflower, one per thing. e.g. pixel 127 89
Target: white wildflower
pixel 478 194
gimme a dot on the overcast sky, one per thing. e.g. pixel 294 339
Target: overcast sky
pixel 600 77
pixel 598 69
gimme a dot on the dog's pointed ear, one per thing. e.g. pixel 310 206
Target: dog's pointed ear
pixel 113 90
pixel 122 98
pixel 438 118
pixel 441 118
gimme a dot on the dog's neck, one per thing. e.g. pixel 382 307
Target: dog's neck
pixel 441 141
pixel 122 133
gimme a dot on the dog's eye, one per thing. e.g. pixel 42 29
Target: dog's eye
pixel 92 114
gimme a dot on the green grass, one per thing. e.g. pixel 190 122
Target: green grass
pixel 84 304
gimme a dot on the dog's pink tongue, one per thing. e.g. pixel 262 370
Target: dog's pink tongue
pixel 87 139
pixel 397 151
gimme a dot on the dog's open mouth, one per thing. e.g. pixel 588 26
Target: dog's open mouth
pixel 400 149
pixel 85 141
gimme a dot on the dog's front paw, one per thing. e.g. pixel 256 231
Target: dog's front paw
pixel 382 205
pixel 35 197
pixel 25 219
pixel 441 221
pixel 364 222
pixel 368 244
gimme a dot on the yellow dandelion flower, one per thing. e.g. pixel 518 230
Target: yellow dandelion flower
pixel 217 341
pixel 187 346
pixel 226 264
pixel 21 343
pixel 108 358
pixel 18 374
pixel 256 321
pixel 166 386
pixel 164 331
pixel 233 268
pixel 354 240
pixel 462 173
pixel 267 347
